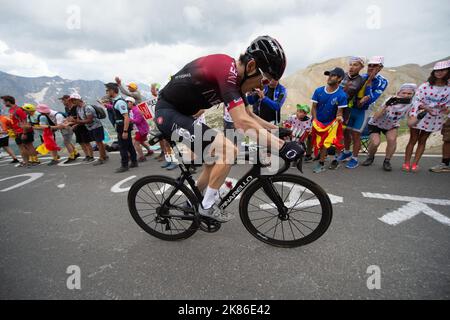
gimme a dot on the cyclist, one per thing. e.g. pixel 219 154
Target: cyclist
pixel 215 79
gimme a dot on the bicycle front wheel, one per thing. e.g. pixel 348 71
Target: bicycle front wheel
pixel 162 208
pixel 305 216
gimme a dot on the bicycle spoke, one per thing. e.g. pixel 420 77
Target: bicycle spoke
pixel 155 197
pixel 259 209
pixel 272 228
pixel 293 235
pixel 266 222
pixel 303 224
pixel 148 195
pixel 306 211
pixel 137 202
pixel 290 222
pixel 262 218
pixel 265 201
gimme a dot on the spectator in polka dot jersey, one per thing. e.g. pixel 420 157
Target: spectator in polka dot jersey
pixel 387 121
pixel 429 112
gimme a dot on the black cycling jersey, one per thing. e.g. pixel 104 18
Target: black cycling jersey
pixel 204 83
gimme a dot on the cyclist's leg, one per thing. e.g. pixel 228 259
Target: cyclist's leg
pixel 203 179
pixel 225 153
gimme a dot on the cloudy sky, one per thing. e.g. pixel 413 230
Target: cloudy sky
pixel 147 40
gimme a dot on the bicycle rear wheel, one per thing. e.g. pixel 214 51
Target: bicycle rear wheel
pixel 306 214
pixel 172 222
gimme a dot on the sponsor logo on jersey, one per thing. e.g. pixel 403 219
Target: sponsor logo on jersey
pixel 235 103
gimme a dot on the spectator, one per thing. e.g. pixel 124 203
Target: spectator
pixel 123 128
pixel 352 84
pixel 107 104
pixel 24 133
pixel 142 130
pixel 445 165
pixel 50 121
pixel 387 121
pixel 87 116
pixel 81 132
pixel 71 112
pixel 267 103
pixel 373 88
pixel 428 113
pixel 5 133
pixel 301 126
pixel 327 112
pixel 166 150
pixel 133 90
pixel 67 132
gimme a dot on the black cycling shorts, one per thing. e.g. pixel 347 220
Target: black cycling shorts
pixel 375 129
pixel 178 127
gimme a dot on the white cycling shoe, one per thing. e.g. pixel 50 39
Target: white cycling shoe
pixel 215 213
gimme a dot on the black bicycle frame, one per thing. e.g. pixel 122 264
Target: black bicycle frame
pixel 252 175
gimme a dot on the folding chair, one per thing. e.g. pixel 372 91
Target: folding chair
pixel 365 140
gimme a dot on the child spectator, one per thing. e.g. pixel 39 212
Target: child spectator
pixel 387 121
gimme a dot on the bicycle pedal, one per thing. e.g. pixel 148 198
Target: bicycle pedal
pixel 209 225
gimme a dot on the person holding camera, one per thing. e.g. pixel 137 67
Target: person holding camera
pixel 267 103
pixel 387 121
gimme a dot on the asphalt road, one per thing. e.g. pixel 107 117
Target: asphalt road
pixel 69 216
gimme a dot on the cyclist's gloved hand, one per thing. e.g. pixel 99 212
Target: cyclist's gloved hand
pixel 284 133
pixel 292 151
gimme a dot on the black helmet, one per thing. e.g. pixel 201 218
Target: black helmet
pixel 269 56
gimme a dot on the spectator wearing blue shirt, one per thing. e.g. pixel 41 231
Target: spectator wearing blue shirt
pixel 267 103
pixel 123 128
pixel 374 86
pixel 328 104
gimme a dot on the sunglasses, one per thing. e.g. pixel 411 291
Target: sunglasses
pixel 266 78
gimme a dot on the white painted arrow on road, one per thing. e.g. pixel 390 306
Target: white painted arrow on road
pixel 414 207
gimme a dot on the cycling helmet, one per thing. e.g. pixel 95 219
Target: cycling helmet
pixel 269 56
pixel 29 107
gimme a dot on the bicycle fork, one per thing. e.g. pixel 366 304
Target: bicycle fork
pixel 275 197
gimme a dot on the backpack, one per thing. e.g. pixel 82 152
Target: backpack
pixel 101 113
pixel 50 122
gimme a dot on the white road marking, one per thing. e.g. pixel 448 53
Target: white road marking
pixel 411 210
pixel 414 207
pixel 117 188
pixel 31 177
pixel 439 202
pixel 61 186
pixel 61 164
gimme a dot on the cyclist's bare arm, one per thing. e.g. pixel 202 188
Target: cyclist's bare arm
pixel 266 125
pixel 242 120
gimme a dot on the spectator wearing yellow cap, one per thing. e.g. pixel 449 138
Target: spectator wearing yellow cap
pixel 131 91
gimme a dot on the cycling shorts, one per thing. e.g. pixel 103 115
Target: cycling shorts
pixel 178 127
pixel 358 119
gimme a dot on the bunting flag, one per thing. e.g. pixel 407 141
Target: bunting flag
pixel 327 136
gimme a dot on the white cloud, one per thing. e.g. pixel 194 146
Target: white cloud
pixel 147 41
pixel 22 63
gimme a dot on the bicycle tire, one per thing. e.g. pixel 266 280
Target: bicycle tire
pixel 322 196
pixel 139 220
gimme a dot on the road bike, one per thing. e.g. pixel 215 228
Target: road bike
pixel 282 210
